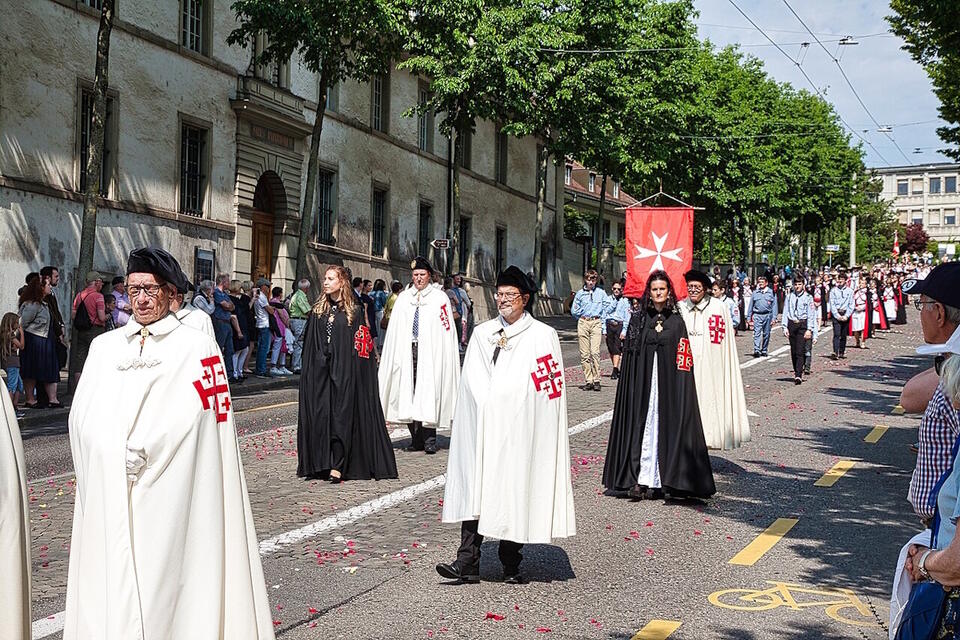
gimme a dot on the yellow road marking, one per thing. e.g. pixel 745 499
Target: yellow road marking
pixel 876 434
pixel 657 630
pixel 898 410
pixel 764 542
pixel 835 473
pixel 269 406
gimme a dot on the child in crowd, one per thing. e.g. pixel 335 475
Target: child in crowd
pixel 11 341
pixel 109 305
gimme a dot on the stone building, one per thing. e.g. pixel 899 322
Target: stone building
pixel 925 193
pixel 205 155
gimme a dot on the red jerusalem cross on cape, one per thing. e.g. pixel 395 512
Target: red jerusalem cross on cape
pixel 213 389
pixel 658 238
pixel 548 376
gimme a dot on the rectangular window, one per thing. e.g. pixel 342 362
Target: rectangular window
pixel 950 184
pixel 621 232
pixel 425 122
pixel 934 185
pixel 592 182
pixel 203 264
pixel 93 4
pixel 193 30
pixel 903 216
pixel 606 231
pixel 500 157
pixel 567 174
pixel 933 217
pixel 326 206
pixel 949 217
pixel 903 188
pixel 916 187
pixel 424 229
pixel 465 139
pixel 466 243
pixel 500 249
pixel 616 189
pixel 193 175
pixel 916 216
pixel 333 97
pixel 378 226
pixel 380 103
pixel 109 143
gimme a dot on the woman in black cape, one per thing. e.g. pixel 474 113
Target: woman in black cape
pixel 340 435
pixel 902 301
pixel 657 445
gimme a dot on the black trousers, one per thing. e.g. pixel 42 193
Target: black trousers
pixel 798 345
pixel 807 354
pixel 840 330
pixel 469 552
pixel 420 436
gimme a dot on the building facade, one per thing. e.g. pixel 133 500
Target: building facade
pixel 206 154
pixel 926 194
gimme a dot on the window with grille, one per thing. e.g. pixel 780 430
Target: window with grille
pixel 500 250
pixel 326 206
pixel 203 264
pixel 500 164
pixel 466 243
pixel 192 34
pixel 378 222
pixel 379 102
pixel 425 123
pixel 109 144
pixel 424 229
pixel 192 169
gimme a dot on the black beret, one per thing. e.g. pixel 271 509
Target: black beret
pixel 698 276
pixel 158 262
pixel 421 263
pixel 513 277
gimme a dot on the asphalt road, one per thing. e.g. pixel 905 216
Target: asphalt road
pixel 357 560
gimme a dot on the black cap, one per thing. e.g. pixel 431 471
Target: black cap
pixel 698 276
pixel 513 277
pixel 421 263
pixel 942 285
pixel 158 262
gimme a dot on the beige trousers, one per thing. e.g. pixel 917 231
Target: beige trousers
pixel 589 336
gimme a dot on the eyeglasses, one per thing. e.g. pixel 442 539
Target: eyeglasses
pixel 694 287
pixel 152 290
pixel 919 303
pixel 506 297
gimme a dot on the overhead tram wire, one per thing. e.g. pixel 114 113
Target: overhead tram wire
pixel 849 84
pixel 804 73
pixel 667 49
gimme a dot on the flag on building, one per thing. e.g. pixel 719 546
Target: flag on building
pixel 896 242
pixel 658 238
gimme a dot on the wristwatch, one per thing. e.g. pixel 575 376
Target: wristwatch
pixel 921 564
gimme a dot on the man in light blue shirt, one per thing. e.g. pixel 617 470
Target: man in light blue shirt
pixel 587 308
pixel 616 317
pixel 799 324
pixel 841 308
pixel 760 313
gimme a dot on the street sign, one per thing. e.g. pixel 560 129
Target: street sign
pixel 440 243
pixel 833 248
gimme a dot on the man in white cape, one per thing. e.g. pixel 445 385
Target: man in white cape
pixel 420 364
pixel 716 368
pixel 163 544
pixel 187 313
pixel 15 621
pixel 508 474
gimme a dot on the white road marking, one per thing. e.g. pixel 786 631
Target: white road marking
pixel 54 623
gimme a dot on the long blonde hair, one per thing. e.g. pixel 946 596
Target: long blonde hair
pixel 347 303
pixel 8 326
pixel 950 379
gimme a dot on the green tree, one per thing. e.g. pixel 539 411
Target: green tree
pixel 336 39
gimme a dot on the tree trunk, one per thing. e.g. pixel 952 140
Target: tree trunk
pixel 753 254
pixel 710 244
pixel 542 162
pixel 733 243
pixel 310 191
pixel 91 194
pixel 457 159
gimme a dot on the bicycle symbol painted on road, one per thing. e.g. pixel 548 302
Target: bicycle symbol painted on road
pixel 842 605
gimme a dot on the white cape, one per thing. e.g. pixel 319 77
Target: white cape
pixel 509 463
pixel 434 397
pixel 172 553
pixel 902 585
pixel 15 621
pixel 716 372
pixel 196 318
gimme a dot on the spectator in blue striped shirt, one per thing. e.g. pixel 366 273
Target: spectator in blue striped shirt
pixel 616 317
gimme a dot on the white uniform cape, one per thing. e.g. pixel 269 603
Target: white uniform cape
pixel 196 318
pixel 15 621
pixel 433 399
pixel 509 464
pixel 163 544
pixel 716 372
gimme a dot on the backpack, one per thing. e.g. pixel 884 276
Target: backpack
pixel 82 320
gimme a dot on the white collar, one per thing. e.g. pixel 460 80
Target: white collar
pixel 161 327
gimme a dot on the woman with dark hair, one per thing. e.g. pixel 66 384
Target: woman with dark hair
pixel 38 360
pixel 656 439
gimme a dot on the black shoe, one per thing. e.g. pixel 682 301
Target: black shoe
pixel 798 380
pixel 513 578
pixel 637 493
pixel 430 449
pixel 615 375
pixel 756 354
pixel 596 386
pixel 834 357
pixel 843 356
pixel 806 372
pixel 463 575
pixel 413 448
pixel 587 387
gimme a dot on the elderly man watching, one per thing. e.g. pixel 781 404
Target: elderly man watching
pixel 299 312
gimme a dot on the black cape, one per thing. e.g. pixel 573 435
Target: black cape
pixel 340 424
pixel 902 301
pixel 684 462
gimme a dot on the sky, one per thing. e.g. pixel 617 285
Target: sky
pixel 894 88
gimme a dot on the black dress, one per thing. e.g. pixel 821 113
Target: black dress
pixel 337 428
pixel 902 301
pixel 682 451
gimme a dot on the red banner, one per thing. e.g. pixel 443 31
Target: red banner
pixel 658 238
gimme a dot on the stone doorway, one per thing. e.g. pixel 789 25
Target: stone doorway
pixel 267 198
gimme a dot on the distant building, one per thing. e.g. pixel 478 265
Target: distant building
pixel 925 193
pixel 206 156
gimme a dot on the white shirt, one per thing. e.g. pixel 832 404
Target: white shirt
pixel 260 303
